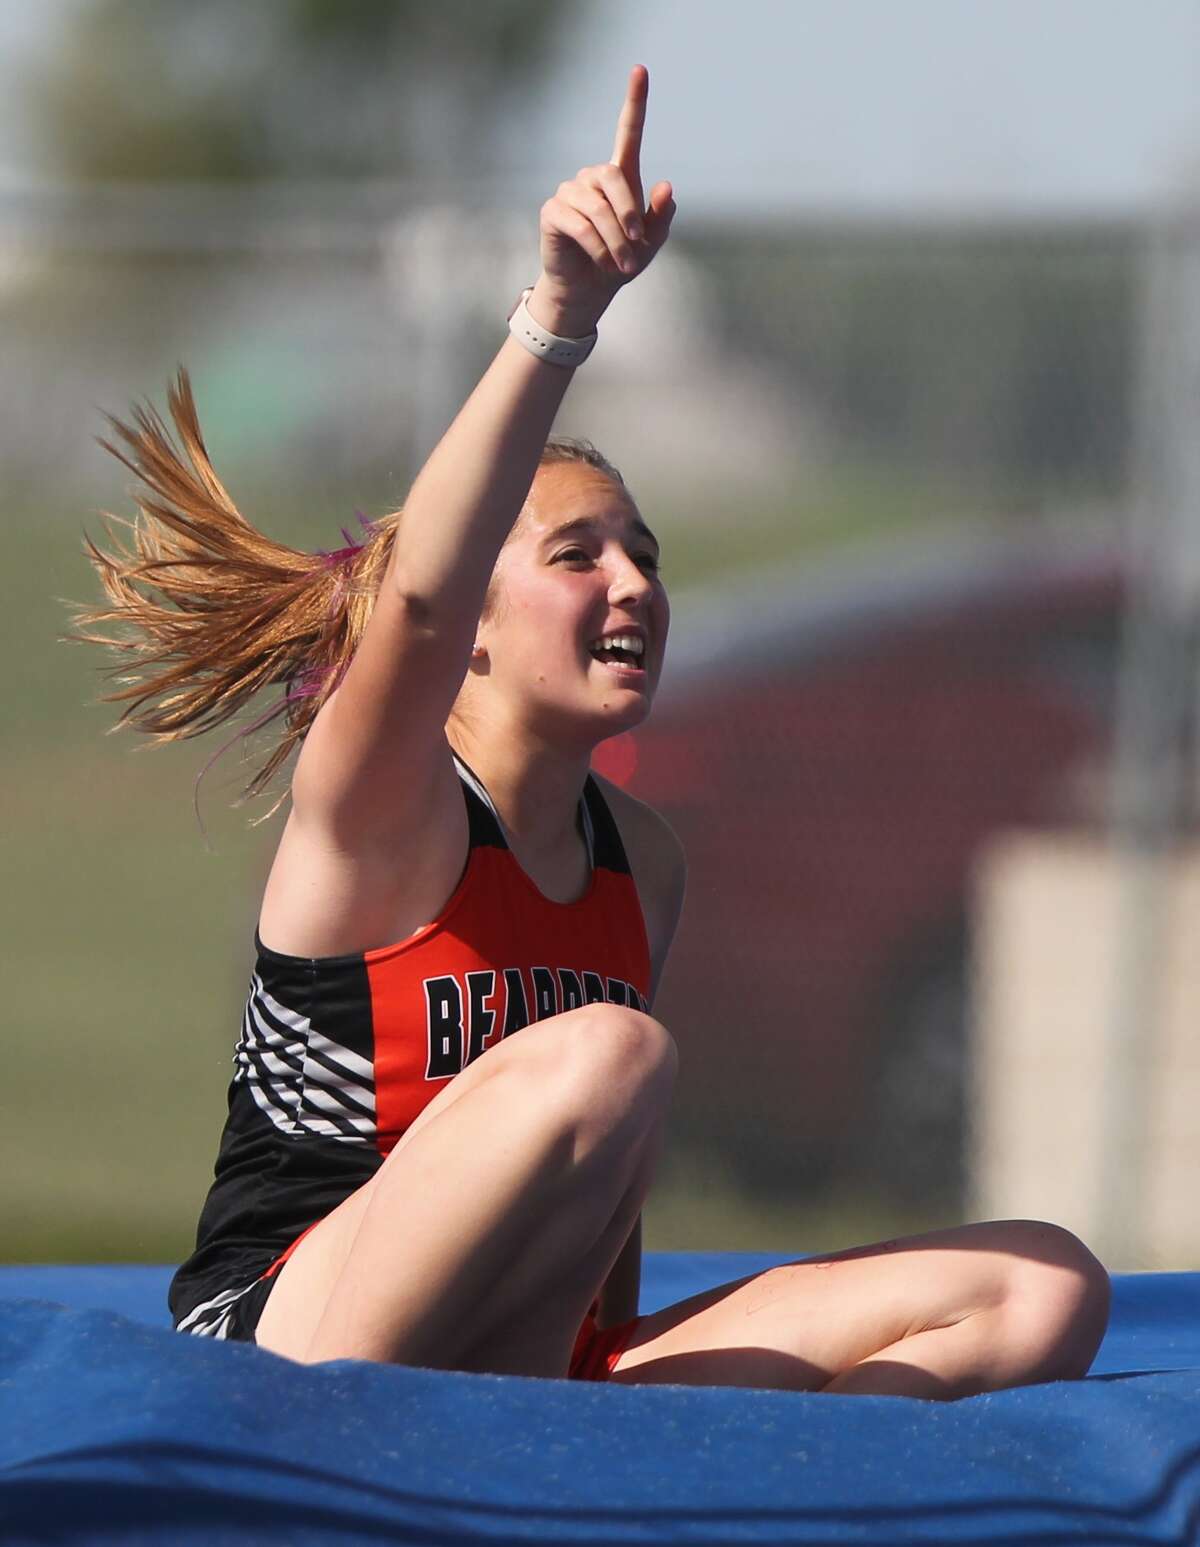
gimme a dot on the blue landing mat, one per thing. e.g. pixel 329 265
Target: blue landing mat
pixel 113 1429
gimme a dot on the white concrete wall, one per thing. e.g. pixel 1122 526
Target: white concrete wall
pixel 1052 931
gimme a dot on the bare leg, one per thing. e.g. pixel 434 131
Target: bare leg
pixel 514 1349
pixel 941 1315
pixel 498 1215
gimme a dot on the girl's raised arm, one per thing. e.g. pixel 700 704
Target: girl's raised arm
pixel 372 756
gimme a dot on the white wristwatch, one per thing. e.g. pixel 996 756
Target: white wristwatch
pixel 567 352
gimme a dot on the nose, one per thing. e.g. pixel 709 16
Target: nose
pixel 630 585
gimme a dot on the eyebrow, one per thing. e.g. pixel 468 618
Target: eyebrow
pixel 589 524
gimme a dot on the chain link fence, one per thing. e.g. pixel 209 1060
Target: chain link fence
pixel 890 467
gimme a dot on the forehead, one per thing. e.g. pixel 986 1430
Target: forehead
pixel 569 496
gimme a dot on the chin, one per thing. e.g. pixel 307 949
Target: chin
pixel 626 717
pixel 588 730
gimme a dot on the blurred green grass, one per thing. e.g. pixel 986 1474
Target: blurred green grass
pixel 127 928
pixel 719 535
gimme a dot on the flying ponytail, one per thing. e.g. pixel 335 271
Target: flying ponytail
pixel 207 611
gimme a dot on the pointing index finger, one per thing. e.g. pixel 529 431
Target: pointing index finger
pixel 627 147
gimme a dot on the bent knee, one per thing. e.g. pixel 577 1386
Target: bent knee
pixel 1058 1296
pixel 612 1057
pixel 613 1041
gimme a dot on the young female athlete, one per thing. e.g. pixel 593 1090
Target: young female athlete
pixel 449 1092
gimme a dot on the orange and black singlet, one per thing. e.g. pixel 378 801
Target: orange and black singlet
pixel 338 1054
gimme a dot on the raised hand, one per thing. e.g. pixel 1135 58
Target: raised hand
pixel 596 232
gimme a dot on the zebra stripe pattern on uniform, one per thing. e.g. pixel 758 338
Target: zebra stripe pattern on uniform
pixel 301 1079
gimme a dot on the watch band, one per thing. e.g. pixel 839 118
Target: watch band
pixel 567 352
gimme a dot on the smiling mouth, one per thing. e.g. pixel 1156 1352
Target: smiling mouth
pixel 623 650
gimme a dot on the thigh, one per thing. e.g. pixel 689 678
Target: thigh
pixel 798 1325
pixel 477 1221
pixel 306 1280
pixel 539 1336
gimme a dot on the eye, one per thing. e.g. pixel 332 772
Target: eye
pixel 650 562
pixel 573 556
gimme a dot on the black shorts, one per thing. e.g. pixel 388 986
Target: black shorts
pixel 233 1314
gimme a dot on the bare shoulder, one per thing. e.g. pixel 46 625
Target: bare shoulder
pixel 339 888
pixel 658 862
pixel 646 833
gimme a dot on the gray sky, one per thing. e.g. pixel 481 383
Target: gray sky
pixel 891 105
pixel 855 106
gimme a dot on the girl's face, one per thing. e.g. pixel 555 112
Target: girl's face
pixel 577 628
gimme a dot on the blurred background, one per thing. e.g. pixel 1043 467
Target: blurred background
pixel 910 400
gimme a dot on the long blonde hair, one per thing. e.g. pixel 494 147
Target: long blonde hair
pixel 208 611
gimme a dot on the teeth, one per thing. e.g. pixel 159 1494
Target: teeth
pixel 629 642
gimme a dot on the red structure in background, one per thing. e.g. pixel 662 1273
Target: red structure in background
pixel 833 771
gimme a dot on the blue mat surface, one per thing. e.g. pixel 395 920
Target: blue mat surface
pixel 115 1429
